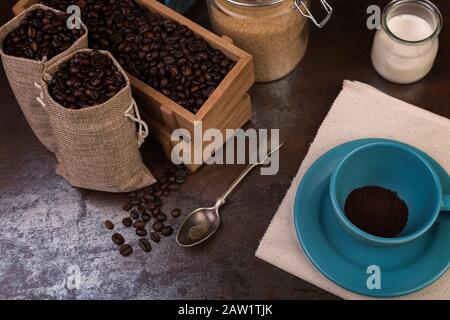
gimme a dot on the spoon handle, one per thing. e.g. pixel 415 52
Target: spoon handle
pixel 241 177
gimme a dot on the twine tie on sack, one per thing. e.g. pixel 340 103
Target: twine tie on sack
pixel 143 128
pixel 40 98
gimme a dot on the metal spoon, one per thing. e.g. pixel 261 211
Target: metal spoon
pixel 202 223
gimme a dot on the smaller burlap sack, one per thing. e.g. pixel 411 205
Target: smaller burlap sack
pixel 23 73
pixel 98 146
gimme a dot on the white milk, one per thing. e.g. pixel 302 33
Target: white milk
pixel 404 62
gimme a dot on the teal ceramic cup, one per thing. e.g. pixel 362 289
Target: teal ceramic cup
pixel 397 167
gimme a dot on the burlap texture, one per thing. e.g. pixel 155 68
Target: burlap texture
pixel 97 147
pixel 23 73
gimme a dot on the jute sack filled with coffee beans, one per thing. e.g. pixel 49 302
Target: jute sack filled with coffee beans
pixel 37 37
pixel 95 119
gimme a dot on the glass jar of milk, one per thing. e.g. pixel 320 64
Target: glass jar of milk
pixel 405 47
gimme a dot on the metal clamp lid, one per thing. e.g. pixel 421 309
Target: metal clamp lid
pixel 302 6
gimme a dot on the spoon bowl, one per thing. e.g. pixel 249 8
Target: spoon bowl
pixel 198 226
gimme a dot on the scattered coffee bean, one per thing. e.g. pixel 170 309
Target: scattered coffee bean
pixel 141 232
pixel 41 33
pixel 148 198
pixel 145 245
pixel 158 202
pixel 141 209
pixel 132 194
pixel 125 250
pixel 176 213
pixel 134 214
pixel 127 222
pixel 156 186
pixel 158 193
pixel 146 217
pixel 161 217
pixel 167 231
pixel 166 193
pixel 158 226
pixel 126 206
pixel 118 239
pixel 151 206
pixel 87 79
pixel 140 224
pixel 155 237
pixel 180 180
pixel 148 190
pixel 156 211
pixel 164 186
pixel 109 224
pixel 174 187
pixel 135 201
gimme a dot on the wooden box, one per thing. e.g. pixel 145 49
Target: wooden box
pixel 228 107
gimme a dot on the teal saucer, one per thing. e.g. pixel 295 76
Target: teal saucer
pixel 344 259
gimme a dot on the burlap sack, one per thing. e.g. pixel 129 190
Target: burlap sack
pixel 98 146
pixel 24 73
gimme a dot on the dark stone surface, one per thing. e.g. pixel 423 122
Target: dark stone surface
pixel 48 226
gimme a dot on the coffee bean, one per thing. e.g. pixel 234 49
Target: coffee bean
pixel 134 214
pixel 158 202
pixel 176 213
pixel 174 187
pixel 126 206
pixel 158 226
pixel 156 211
pixel 109 224
pixel 146 217
pixel 167 231
pixel 140 224
pixel 148 198
pixel 127 222
pixel 166 193
pixel 132 194
pixel 151 206
pixel 135 201
pixel 155 237
pixel 145 245
pixel 158 194
pixel 156 186
pixel 163 180
pixel 161 217
pixel 117 238
pixel 180 180
pixel 148 190
pixel 125 250
pixel 141 209
pixel 141 232
pixel 164 186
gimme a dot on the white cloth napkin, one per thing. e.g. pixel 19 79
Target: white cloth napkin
pixel 360 111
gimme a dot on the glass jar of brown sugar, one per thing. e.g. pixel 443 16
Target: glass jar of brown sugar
pixel 275 32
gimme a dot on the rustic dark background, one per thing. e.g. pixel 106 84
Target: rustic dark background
pixel 47 226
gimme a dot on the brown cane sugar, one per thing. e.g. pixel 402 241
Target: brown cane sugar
pixel 275 35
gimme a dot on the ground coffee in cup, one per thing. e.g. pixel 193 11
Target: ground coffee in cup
pixel 377 211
